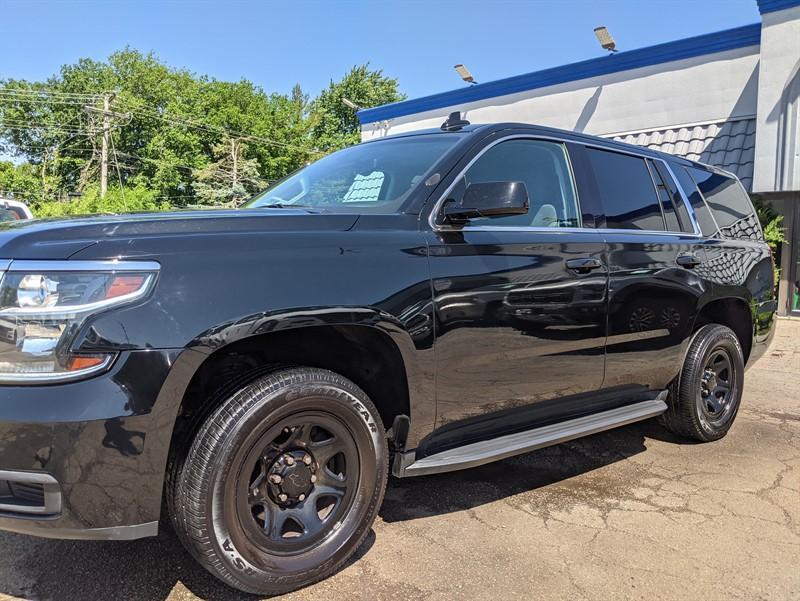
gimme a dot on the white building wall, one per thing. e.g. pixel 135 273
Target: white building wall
pixel 710 88
pixel 777 164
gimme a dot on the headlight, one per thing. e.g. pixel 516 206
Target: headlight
pixel 43 305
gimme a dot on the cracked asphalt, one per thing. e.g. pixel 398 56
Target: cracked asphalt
pixel 628 514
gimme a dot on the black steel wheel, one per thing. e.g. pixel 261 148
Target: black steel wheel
pixel 283 481
pixel 717 391
pixel 298 480
pixel 706 396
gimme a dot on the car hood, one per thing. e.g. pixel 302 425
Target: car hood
pixel 62 238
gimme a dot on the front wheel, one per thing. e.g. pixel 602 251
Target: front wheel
pixel 283 481
pixel 706 396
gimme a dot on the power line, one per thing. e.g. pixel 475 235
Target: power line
pixel 50 128
pixel 45 101
pixel 46 92
pixel 218 130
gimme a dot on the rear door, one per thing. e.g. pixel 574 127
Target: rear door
pixel 516 326
pixel 654 250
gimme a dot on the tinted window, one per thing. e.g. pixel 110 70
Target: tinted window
pixel 729 204
pixel 670 217
pixel 376 177
pixel 677 200
pixel 542 167
pixel 626 191
pixel 701 212
pixel 11 214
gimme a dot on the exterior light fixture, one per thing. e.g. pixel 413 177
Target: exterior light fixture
pixel 350 104
pixel 605 39
pixel 464 73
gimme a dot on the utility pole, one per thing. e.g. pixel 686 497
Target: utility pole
pixel 104 150
pixel 107 114
pixel 235 158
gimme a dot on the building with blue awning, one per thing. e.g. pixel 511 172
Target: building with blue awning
pixel 729 98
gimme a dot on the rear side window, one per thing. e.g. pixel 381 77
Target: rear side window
pixel 626 191
pixel 677 200
pixel 707 226
pixel 729 204
pixel 664 195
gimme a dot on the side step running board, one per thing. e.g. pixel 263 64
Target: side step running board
pixel 480 453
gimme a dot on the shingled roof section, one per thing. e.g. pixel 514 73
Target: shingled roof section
pixel 726 144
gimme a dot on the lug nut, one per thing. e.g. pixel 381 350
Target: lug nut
pixel 307 459
pixel 275 479
pixel 289 460
pixel 313 478
pixel 283 497
pixel 302 497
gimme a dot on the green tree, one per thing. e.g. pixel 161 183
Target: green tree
pixel 23 182
pixel 231 178
pixel 169 123
pixel 335 125
pixel 118 200
pixel 172 130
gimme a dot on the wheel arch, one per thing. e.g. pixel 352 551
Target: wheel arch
pixel 733 312
pixel 364 344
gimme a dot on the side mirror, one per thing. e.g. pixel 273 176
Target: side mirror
pixel 489 199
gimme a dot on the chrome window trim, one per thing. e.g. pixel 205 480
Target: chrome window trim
pixel 435 227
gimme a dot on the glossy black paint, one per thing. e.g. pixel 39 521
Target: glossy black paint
pixel 494 329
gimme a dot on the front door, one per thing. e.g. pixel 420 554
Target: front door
pixel 520 301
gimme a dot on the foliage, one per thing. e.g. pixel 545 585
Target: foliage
pixel 130 200
pixel 172 129
pixel 22 181
pixel 335 124
pixel 774 232
pixel 230 179
pixel 771 223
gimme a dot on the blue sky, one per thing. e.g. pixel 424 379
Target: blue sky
pixel 277 44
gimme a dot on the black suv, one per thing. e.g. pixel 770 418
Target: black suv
pixel 419 303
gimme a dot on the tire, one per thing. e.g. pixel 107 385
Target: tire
pixel 703 404
pixel 282 482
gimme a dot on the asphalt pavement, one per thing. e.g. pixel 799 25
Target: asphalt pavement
pixel 634 513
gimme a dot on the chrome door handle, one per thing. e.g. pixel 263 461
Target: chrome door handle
pixel 584 264
pixel 688 261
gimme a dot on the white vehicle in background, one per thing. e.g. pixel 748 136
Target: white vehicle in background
pixel 14 210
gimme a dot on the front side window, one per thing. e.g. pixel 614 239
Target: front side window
pixel 375 177
pixel 544 169
pixel 626 190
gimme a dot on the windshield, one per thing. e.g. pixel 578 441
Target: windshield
pixel 377 176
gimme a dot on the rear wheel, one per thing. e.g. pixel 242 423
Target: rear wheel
pixel 705 399
pixel 283 481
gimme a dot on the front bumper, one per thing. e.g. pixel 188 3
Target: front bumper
pixel 100 445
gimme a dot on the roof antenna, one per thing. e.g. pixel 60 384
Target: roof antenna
pixel 454 122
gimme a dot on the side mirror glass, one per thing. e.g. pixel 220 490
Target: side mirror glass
pixel 489 199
